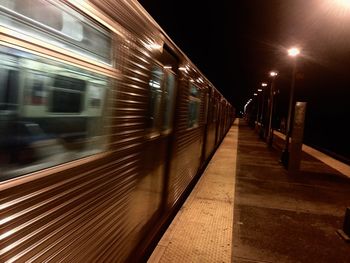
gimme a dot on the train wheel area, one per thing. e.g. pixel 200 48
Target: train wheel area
pixel 247 208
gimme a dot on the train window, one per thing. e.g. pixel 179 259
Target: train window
pixel 36 93
pixel 53 21
pixel 169 100
pixel 155 85
pixel 193 106
pixel 67 94
pixel 58 115
pixel 8 89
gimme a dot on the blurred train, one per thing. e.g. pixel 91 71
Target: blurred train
pixel 104 127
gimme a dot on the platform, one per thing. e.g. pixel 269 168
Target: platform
pixel 247 208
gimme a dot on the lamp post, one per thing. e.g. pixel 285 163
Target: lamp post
pixel 273 74
pixel 259 99
pixel 292 52
pixel 261 132
pixel 257 112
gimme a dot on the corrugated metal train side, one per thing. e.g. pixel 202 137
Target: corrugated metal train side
pixel 112 206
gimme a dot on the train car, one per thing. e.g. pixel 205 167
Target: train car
pixel 105 125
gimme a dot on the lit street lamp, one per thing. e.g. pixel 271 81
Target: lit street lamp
pixel 261 132
pixel 255 94
pixel 273 74
pixel 292 52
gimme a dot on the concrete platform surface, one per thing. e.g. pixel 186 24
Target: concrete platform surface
pixel 202 230
pixel 281 217
pixel 247 208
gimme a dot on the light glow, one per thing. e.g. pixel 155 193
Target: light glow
pixel 259 90
pixel 293 52
pixel 273 73
pixel 343 3
pixel 264 84
pixel 336 13
pixel 153 46
pixel 154 84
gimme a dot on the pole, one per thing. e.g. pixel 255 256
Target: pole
pixel 261 133
pixel 257 113
pixel 270 130
pixel 285 153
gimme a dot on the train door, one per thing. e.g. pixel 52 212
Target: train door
pixel 206 125
pixel 223 119
pixel 211 135
pixel 155 148
pixel 217 123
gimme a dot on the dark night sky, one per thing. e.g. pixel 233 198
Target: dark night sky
pixel 231 42
pixel 236 43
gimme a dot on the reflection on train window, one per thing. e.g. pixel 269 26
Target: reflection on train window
pixel 8 89
pixel 169 100
pixel 67 94
pixel 50 113
pixel 52 21
pixel 193 106
pixel 155 85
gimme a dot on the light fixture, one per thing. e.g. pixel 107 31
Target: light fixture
pixel 273 73
pixel 293 52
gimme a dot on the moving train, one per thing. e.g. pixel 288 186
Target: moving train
pixel 105 125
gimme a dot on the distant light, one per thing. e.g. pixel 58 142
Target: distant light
pixel 168 67
pixel 255 94
pixel 293 52
pixel 182 69
pixel 259 90
pixel 264 84
pixel 273 73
